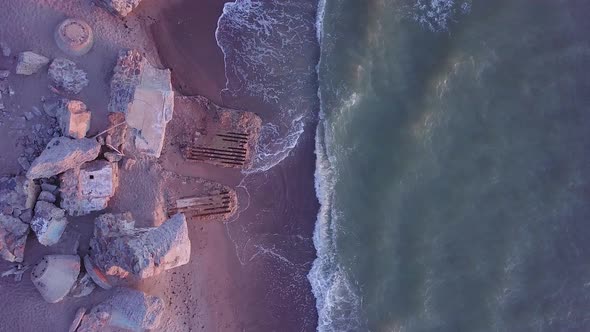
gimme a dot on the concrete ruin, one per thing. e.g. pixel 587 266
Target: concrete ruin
pixel 122 254
pixel 73 118
pixel 74 37
pixel 88 188
pixel 49 223
pixel 62 154
pixel 127 309
pixel 216 135
pixel 55 275
pixel 66 76
pixel 29 63
pixel 120 8
pixel 144 94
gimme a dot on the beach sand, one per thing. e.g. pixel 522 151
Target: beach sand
pixel 246 275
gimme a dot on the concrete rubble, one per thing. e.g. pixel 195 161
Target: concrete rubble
pixel 62 154
pixel 122 253
pixel 89 187
pixel 55 275
pixel 13 237
pixel 17 271
pixel 49 223
pixel 74 118
pixel 30 63
pixel 120 8
pixel 117 135
pixel 66 76
pixel 127 309
pixel 83 286
pixel 144 94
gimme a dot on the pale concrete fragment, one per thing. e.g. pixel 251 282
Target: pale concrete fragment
pixel 122 254
pixel 127 309
pixel 88 188
pixel 55 275
pixel 30 63
pixel 13 237
pixel 74 118
pixel 144 94
pixel 65 75
pixel 62 154
pixel 48 223
pixel 119 8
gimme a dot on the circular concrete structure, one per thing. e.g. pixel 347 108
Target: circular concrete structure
pixel 74 37
pixel 55 275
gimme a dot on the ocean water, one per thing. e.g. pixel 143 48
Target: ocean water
pixel 453 166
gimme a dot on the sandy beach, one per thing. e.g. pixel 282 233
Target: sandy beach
pixel 249 274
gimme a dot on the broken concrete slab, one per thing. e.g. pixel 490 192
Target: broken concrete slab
pixel 120 8
pixel 83 286
pixel 30 63
pixel 65 75
pixel 74 118
pixel 144 94
pixel 13 237
pixel 214 134
pixel 74 37
pixel 62 154
pixel 88 188
pixel 127 309
pixel 55 275
pixel 122 254
pixel 48 223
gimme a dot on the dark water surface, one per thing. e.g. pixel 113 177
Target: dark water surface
pixel 452 166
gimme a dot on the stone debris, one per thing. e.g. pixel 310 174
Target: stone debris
pixel 88 188
pixel 74 118
pixel 122 253
pixel 30 63
pixel 29 116
pixel 127 309
pixel 17 271
pixel 47 196
pixel 83 286
pixel 62 154
pixel 119 8
pixel 17 196
pixel 113 157
pixel 13 237
pixel 74 37
pixel 4 74
pixel 65 75
pixel 50 107
pixel 55 275
pixel 117 135
pixel 144 94
pixel 24 163
pixel 77 319
pixel 49 187
pixel 48 223
pixel 5 49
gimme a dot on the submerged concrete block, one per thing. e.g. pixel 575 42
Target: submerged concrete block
pixel 55 275
pixel 88 188
pixel 122 254
pixel 49 223
pixel 62 154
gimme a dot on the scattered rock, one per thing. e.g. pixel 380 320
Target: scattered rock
pixel 113 157
pixel 127 309
pixel 48 223
pixel 29 116
pixel 128 163
pixel 47 196
pixel 117 135
pixel 49 187
pixel 17 271
pixel 122 254
pixel 77 319
pixel 74 37
pixel 4 74
pixel 17 193
pixel 83 286
pixel 24 163
pixel 119 8
pixel 5 49
pixel 144 94
pixel 55 275
pixel 50 107
pixel 26 216
pixel 64 74
pixel 62 154
pixel 37 112
pixel 88 188
pixel 30 63
pixel 74 118
pixel 13 237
